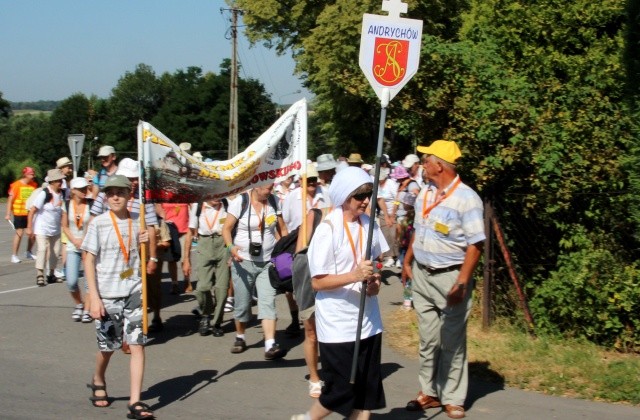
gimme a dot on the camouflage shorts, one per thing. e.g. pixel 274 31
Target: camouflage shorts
pixel 123 321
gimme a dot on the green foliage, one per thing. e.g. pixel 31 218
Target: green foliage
pixel 37 105
pixel 12 170
pixel 594 294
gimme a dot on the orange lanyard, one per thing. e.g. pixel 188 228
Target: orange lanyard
pixel 426 210
pixel 210 225
pixel 79 214
pixel 125 251
pixel 356 257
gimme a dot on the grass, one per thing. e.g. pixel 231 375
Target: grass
pixel 550 365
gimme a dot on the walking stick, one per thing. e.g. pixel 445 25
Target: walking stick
pixel 374 205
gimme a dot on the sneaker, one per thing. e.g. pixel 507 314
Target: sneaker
pixel 228 305
pixel 29 256
pixel 204 328
pixel 76 315
pixel 315 389
pixel 389 262
pixel 217 331
pixel 275 352
pixel 51 278
pixel 15 259
pixel 86 317
pixel 239 346
pixel 59 274
pixel 398 264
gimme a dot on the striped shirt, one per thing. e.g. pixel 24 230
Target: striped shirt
pixel 442 237
pixel 101 240
pixel 101 206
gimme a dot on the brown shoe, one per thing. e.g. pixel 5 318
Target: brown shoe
pixel 454 411
pixel 422 402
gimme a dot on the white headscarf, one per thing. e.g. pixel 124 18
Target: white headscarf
pixel 345 182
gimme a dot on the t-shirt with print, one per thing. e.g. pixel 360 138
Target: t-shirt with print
pixel 330 252
pixel 21 193
pixel 267 215
pixel 47 218
pixel 102 241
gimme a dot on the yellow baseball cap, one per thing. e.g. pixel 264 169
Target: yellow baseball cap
pixel 444 149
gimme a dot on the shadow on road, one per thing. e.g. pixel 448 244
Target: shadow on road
pixel 179 388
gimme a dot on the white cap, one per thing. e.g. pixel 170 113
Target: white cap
pixel 185 147
pixel 129 168
pixel 410 160
pixel 79 182
pixel 106 151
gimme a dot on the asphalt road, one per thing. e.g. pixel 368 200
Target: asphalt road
pixel 46 361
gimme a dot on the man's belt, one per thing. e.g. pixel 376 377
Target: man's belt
pixel 434 271
pixel 209 236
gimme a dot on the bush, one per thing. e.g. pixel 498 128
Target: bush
pixel 593 294
pixel 13 171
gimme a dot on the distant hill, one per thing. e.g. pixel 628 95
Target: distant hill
pixel 35 106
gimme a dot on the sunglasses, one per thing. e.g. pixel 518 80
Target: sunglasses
pixel 119 193
pixel 362 196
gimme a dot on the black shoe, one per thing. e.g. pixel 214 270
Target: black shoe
pixel 196 312
pixel 205 326
pixel 51 279
pixel 156 325
pixel 293 330
pixel 217 331
pixel 239 346
pixel 275 353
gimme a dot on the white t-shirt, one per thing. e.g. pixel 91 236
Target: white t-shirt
pixel 101 240
pixel 388 192
pixel 267 215
pixel 48 217
pixel 292 206
pixel 210 220
pixel 330 252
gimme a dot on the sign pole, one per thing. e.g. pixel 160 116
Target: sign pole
pixel 389 57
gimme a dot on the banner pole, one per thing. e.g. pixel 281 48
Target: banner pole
pixel 374 205
pixel 143 247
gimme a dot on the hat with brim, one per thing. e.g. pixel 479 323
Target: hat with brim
pixel 63 161
pixel 185 147
pixel 106 151
pixel 444 149
pixel 400 172
pixel 326 162
pixel 54 175
pixel 117 181
pixel 128 168
pixel 384 173
pixel 410 160
pixel 312 172
pixel 79 182
pixel 355 158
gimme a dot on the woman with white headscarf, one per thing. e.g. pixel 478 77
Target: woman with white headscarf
pixel 340 274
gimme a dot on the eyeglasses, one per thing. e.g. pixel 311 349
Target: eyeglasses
pixel 362 196
pixel 119 193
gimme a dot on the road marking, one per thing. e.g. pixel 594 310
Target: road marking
pixel 17 290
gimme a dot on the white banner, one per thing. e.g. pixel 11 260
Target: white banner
pixel 171 175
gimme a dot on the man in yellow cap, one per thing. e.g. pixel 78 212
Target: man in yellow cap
pixel 442 255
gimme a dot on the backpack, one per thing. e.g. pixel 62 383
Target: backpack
pixel 282 256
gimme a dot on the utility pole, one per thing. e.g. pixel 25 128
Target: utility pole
pixel 233 98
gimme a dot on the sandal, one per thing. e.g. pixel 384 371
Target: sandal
pixel 94 398
pixel 136 410
pixel 454 411
pixel 40 280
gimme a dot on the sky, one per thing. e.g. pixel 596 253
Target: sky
pixel 52 49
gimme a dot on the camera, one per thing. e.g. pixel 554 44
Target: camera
pixel 255 248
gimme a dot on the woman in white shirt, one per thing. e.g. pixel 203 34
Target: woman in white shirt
pixel 340 274
pixel 44 223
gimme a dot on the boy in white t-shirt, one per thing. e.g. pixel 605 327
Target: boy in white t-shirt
pixel 112 266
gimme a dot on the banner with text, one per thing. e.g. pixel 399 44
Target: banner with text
pixel 171 175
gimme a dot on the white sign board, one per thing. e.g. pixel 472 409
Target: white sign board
pixel 390 49
pixel 76 141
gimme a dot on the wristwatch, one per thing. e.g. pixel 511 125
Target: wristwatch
pixel 154 259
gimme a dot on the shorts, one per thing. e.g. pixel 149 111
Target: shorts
pixel 337 393
pixel 20 222
pixel 123 320
pixel 307 314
